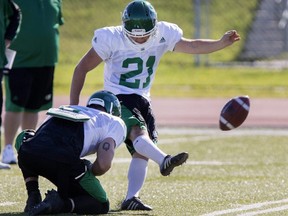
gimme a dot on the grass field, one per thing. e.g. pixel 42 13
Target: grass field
pixel 241 172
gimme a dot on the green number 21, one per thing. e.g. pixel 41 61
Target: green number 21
pixel 136 84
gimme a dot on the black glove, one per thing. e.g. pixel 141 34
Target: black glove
pixel 88 164
pixel 28 134
pixel 23 137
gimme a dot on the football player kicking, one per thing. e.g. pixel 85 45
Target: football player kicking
pixel 131 53
pixel 55 150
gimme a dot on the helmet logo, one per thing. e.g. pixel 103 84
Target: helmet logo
pixel 96 101
pixel 137 31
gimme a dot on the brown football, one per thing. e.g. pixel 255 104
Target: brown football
pixel 234 113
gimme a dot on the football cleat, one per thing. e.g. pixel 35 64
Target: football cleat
pixel 169 162
pixel 135 204
pixel 4 166
pixel 52 204
pixel 8 156
pixel 34 198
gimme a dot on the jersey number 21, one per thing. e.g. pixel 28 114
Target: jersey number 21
pixel 136 84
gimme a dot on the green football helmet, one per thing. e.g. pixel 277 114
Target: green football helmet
pixel 107 100
pixel 139 19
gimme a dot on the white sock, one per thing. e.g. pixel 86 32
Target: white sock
pixel 9 146
pixel 144 146
pixel 136 176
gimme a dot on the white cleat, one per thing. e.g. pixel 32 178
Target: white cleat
pixel 8 156
pixel 4 166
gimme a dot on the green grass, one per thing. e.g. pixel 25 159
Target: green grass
pixel 225 170
pixel 178 80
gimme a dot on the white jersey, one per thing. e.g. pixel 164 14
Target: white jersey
pixel 129 70
pixel 99 127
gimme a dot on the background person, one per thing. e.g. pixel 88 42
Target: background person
pixel 131 53
pixel 29 84
pixel 55 150
pixel 10 18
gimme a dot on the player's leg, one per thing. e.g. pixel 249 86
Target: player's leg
pixel 2 165
pixel 48 155
pixel 30 179
pixel 168 163
pixel 32 165
pixel 1 106
pixel 91 198
pixel 29 120
pixel 17 87
pixel 144 146
pixel 85 194
pixel 140 121
pixel 40 97
pixel 41 94
pixel 138 116
pixel 11 125
pixel 136 177
pixel 136 127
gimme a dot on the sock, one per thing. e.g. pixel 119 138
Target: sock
pixel 136 176
pixel 9 146
pixel 32 186
pixel 144 146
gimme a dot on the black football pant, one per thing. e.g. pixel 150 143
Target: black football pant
pixel 63 176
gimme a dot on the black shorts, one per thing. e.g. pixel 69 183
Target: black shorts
pixel 29 89
pixel 137 110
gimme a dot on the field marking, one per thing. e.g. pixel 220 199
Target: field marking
pixel 210 163
pixel 276 209
pixel 247 207
pixel 7 203
pixel 193 163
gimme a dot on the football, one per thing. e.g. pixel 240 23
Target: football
pixel 234 113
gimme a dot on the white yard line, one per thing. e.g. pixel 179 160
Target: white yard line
pixel 7 203
pixel 269 210
pixel 189 162
pixel 249 207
